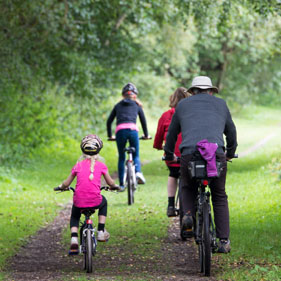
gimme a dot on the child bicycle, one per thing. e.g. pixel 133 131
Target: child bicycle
pixel 88 241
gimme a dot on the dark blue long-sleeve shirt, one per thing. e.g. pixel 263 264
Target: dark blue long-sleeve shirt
pixel 126 111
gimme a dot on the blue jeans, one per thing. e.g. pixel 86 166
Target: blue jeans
pixel 121 139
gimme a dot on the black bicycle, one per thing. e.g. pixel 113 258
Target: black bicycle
pixel 87 231
pixel 204 232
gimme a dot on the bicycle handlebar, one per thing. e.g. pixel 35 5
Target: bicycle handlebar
pixel 141 138
pixel 63 189
pixel 178 158
pixel 106 188
pixel 145 138
pixel 164 159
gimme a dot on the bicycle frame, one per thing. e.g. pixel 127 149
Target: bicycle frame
pixel 87 224
pixel 202 197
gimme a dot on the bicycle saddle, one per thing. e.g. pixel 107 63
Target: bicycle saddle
pixel 88 211
pixel 130 149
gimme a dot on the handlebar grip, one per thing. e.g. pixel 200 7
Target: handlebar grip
pixel 164 159
pixel 117 187
pixel 57 188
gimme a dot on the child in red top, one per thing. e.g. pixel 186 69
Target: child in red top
pixel 160 137
pixel 88 171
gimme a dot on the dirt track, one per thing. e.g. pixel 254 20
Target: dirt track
pixel 44 259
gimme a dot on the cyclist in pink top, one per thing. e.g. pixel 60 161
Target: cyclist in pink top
pixel 88 171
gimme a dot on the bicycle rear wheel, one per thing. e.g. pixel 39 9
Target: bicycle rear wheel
pixel 198 237
pixel 88 255
pixel 206 243
pixel 183 237
pixel 130 183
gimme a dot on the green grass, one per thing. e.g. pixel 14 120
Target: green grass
pixel 254 203
pixel 27 203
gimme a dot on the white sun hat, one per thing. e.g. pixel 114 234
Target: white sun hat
pixel 203 82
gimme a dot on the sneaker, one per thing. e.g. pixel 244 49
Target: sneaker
pixel 224 246
pixel 140 178
pixel 186 228
pixel 103 236
pixel 74 246
pixel 171 211
pixel 121 188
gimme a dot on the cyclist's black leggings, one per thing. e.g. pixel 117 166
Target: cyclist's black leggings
pixel 76 212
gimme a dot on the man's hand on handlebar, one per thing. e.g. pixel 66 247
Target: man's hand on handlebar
pixel 229 159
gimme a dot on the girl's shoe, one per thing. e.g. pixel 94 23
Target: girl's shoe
pixel 171 211
pixel 74 246
pixel 103 236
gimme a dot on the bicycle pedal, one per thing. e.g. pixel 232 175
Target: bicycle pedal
pixel 188 233
pixel 73 252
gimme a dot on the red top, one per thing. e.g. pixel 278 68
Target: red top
pixel 162 129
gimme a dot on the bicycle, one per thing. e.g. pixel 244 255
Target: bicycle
pixel 205 236
pixel 130 179
pixel 204 232
pixel 87 231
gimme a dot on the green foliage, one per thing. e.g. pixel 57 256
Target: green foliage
pixel 63 63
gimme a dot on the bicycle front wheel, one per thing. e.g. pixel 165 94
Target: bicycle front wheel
pixel 206 243
pixel 130 183
pixel 88 255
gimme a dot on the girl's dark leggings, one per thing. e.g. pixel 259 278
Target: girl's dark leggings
pixel 76 212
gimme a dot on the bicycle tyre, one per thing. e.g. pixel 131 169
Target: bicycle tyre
pixel 83 246
pixel 89 251
pixel 183 238
pixel 130 184
pixel 199 238
pixel 206 245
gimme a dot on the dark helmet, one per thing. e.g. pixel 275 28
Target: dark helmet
pixel 130 87
pixel 91 145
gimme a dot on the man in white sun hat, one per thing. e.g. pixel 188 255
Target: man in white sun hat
pixel 203 117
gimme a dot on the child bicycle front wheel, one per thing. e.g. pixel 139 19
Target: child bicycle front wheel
pixel 88 254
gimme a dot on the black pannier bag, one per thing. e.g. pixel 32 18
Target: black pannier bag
pixel 197 167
